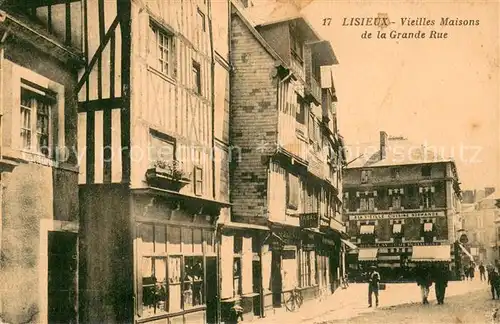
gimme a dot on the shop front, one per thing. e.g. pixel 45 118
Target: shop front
pixel 242 279
pixel 283 248
pixel 175 259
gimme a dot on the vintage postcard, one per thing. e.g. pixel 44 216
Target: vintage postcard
pixel 249 161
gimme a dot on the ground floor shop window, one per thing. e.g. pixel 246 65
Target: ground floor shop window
pixel 307 269
pixel 172 267
pixel 322 261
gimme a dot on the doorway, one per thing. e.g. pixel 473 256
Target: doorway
pixel 62 274
pixel 276 280
pixel 212 298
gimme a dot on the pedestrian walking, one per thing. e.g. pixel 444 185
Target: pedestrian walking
pixel 373 281
pixel 489 269
pixel 482 272
pixel 466 272
pixel 493 278
pixel 441 276
pixel 472 269
pixel 424 280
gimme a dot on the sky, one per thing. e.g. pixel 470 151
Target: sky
pixel 442 93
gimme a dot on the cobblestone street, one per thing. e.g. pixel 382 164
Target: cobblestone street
pixel 466 302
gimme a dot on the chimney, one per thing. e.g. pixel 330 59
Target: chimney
pixel 488 191
pixel 383 144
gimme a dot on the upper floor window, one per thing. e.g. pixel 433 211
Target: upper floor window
pixel 301 111
pixel 196 77
pixel 292 191
pixel 395 173
pixel 36 114
pixel 426 171
pixel 161 50
pixel 162 147
pixel 365 176
pixel 371 203
pixel 396 201
pixel 363 205
pixel 198 181
pixel 427 197
pixel 296 43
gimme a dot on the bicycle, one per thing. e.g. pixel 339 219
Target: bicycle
pixel 295 300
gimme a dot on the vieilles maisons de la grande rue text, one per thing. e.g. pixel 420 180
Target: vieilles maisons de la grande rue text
pixel 410 28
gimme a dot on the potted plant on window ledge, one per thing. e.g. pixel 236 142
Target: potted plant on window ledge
pixel 167 174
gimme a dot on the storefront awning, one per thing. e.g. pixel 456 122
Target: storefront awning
pixel 367 229
pixel 434 253
pixel 396 228
pixel 349 244
pixel 466 252
pixel 368 254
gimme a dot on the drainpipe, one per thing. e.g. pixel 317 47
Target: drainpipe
pixel 2 52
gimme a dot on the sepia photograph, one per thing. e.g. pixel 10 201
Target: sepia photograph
pixel 249 161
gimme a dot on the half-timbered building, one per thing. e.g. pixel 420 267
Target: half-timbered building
pixel 39 64
pixel 149 188
pixel 285 229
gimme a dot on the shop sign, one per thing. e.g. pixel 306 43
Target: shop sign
pixel 397 215
pixel 406 244
pixel 309 220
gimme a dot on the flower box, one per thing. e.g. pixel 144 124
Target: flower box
pixel 168 175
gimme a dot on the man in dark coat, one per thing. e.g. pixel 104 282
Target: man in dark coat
pixel 482 272
pixel 493 278
pixel 424 280
pixel 441 276
pixel 373 281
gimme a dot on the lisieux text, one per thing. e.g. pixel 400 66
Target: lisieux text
pixel 384 27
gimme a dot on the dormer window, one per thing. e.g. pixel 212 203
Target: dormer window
pixel 365 176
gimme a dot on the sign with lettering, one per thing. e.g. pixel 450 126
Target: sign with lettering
pixel 309 220
pixel 398 215
pixel 401 244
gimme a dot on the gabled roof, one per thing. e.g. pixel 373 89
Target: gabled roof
pixel 268 14
pixel 237 10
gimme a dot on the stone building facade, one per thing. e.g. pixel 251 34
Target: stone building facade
pixel 39 65
pixel 397 200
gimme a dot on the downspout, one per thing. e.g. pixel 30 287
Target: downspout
pixel 2 54
pixel 212 98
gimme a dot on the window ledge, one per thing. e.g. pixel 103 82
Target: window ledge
pixel 161 75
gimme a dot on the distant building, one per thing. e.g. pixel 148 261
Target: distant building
pixel 401 197
pixel 478 219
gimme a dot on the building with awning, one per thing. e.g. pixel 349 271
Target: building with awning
pixel 434 253
pixel 368 254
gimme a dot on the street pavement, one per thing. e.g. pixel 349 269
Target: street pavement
pixel 466 302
